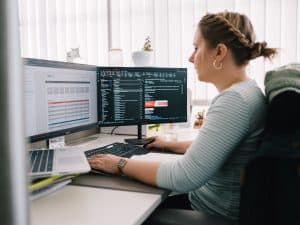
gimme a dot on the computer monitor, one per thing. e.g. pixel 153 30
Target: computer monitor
pixel 141 95
pixel 60 98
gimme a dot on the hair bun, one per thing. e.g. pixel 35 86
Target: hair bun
pixel 258 49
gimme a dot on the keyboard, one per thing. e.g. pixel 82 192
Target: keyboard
pixel 119 149
pixel 41 160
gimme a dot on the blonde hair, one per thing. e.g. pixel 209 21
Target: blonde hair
pixel 236 32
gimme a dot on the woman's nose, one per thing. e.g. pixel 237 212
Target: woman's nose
pixel 191 59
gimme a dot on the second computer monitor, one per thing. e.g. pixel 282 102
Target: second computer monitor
pixel 140 95
pixel 60 98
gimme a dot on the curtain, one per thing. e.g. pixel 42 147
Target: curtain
pixel 49 28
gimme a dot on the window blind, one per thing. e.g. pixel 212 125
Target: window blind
pixel 49 28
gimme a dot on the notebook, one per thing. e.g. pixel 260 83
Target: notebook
pixel 51 162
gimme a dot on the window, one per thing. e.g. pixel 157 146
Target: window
pixel 49 28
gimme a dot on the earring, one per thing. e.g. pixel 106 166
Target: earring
pixel 217 67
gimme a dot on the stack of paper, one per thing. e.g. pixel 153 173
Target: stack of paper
pixel 46 186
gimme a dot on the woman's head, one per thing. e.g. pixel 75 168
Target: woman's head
pixel 236 32
pixel 228 33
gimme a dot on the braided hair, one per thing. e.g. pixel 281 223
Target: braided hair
pixel 236 32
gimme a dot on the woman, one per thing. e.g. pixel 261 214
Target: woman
pixel 210 168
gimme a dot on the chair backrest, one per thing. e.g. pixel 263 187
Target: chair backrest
pixel 284 113
pixel 270 193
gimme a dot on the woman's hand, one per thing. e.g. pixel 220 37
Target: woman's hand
pixel 158 143
pixel 179 147
pixel 105 162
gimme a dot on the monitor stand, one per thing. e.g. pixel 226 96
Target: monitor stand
pixel 139 140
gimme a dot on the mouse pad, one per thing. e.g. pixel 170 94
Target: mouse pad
pixel 116 182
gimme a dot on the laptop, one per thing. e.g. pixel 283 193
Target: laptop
pixel 52 162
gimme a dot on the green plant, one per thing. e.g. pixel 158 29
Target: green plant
pixel 147 44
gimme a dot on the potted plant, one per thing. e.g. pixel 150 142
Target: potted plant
pixel 144 56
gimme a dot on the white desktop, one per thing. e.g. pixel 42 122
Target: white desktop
pixel 78 205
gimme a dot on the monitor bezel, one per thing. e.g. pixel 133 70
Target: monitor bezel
pixel 142 122
pixel 64 65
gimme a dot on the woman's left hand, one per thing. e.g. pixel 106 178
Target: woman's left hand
pixel 105 162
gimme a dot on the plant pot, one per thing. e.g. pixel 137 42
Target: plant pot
pixel 142 58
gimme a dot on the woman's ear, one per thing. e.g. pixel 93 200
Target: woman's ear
pixel 221 52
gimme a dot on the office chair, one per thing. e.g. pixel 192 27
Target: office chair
pixel 270 189
pixel 185 217
pixel 270 193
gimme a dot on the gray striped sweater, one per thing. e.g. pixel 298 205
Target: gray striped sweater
pixel 210 169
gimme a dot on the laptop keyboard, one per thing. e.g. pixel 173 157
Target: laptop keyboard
pixel 119 149
pixel 41 160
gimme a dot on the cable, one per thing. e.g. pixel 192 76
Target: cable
pixel 112 131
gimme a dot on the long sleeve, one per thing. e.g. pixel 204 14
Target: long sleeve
pixel 225 126
pixel 210 169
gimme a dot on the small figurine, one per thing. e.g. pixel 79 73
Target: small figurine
pixel 73 55
pixel 199 119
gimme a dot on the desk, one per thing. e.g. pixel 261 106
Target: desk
pixel 90 206
pixel 76 205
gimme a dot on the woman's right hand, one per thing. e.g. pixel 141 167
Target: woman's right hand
pixel 158 144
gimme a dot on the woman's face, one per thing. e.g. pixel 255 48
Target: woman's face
pixel 203 58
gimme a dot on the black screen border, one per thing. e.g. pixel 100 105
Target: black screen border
pixel 142 122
